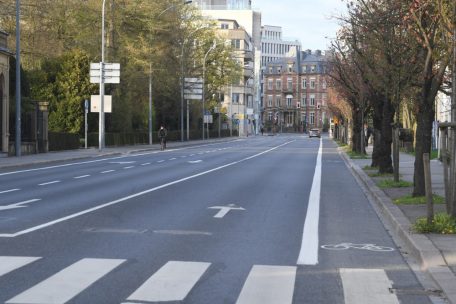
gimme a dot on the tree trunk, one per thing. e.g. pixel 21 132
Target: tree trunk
pixel 377 118
pixel 385 163
pixel 425 117
pixel 357 129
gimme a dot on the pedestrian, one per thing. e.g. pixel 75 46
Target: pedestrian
pixel 162 136
pixel 262 131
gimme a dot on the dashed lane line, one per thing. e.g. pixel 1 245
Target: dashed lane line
pixel 107 171
pixel 49 183
pixel 82 176
pixel 8 191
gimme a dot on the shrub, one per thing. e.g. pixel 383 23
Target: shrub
pixel 442 223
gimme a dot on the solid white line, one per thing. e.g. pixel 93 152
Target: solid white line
pixel 10 263
pixel 309 246
pixel 172 282
pixel 66 284
pixel 11 190
pixel 49 183
pixel 115 202
pixel 367 286
pixel 107 171
pixel 82 176
pixel 268 285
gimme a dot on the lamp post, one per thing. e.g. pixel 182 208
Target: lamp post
pixel 18 80
pixel 102 88
pixel 204 78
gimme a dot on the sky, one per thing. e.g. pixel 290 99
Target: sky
pixel 307 20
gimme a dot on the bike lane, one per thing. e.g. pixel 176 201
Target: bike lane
pixel 356 252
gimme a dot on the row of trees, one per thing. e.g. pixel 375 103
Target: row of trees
pixel 60 38
pixel 390 58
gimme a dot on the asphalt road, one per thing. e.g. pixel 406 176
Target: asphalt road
pixel 269 219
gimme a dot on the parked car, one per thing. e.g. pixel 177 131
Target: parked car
pixel 314 133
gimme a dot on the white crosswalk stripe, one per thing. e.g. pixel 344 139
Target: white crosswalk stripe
pixel 10 263
pixel 367 286
pixel 172 282
pixel 68 283
pixel 176 279
pixel 268 285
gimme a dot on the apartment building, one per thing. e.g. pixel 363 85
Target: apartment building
pixel 5 55
pixel 295 93
pixel 274 46
pixel 241 11
pixel 239 97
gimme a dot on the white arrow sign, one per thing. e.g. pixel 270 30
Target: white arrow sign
pixel 18 205
pixel 225 209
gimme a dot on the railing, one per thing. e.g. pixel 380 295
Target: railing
pixel 448 156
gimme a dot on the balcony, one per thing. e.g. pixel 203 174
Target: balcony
pixel 288 90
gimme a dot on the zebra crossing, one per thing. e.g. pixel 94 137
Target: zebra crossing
pixel 265 284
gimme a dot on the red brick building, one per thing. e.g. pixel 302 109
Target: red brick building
pixel 295 93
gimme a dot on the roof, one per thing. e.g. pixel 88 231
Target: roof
pixel 305 58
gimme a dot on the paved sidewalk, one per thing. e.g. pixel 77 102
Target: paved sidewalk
pixel 435 253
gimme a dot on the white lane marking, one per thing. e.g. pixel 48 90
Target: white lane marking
pixel 192 155
pixel 10 190
pixel 129 167
pixel 268 285
pixel 172 282
pixel 66 284
pixel 107 171
pixel 126 198
pixel 104 159
pixel 173 158
pixel 123 162
pixel 184 156
pixel 367 286
pixel 19 205
pixel 160 161
pixel 49 183
pixel 309 246
pixel 225 209
pixel 10 263
pixel 145 164
pixel 195 161
pixel 82 176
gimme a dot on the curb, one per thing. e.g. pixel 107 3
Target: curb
pixel 419 245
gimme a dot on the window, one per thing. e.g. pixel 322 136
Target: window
pixel 304 101
pixel 270 70
pixel 312 100
pixel 236 43
pixel 279 69
pixel 225 26
pixel 313 68
pixel 269 84
pixel 270 116
pixel 235 98
pixel 290 84
pixel 289 101
pixel 312 118
pixel 278 100
pixel 323 85
pixel 298 105
pixel 279 84
pixel 270 101
pixel 304 83
pixel 290 68
pixel 304 69
pixel 312 83
pixel 323 99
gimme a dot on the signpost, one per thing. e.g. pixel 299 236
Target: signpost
pixel 193 90
pixel 102 73
pixel 86 109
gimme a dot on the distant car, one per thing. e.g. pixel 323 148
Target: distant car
pixel 314 133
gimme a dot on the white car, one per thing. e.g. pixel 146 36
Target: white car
pixel 314 133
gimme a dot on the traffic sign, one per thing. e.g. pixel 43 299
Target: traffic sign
pixel 193 96
pixel 95 103
pixel 110 72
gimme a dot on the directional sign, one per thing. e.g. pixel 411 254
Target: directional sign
pixel 193 96
pixel 194 80
pixel 95 102
pixel 18 205
pixel 225 209
pixel 111 72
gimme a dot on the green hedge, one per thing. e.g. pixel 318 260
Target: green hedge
pixel 63 141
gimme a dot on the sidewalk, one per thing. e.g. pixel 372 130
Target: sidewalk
pixel 435 253
pixel 69 155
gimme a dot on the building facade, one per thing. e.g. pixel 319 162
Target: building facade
pixel 274 46
pixel 239 97
pixel 295 93
pixel 250 20
pixel 4 93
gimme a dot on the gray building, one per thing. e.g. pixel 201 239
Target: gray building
pixel 5 54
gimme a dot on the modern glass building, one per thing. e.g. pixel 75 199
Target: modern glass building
pixel 224 4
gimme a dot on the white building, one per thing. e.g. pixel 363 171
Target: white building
pixel 241 11
pixel 274 46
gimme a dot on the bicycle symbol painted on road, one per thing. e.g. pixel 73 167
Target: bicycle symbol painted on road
pixel 345 246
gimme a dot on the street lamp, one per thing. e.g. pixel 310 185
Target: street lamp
pixel 18 80
pixel 204 76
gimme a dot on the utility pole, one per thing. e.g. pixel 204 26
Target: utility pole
pixel 18 145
